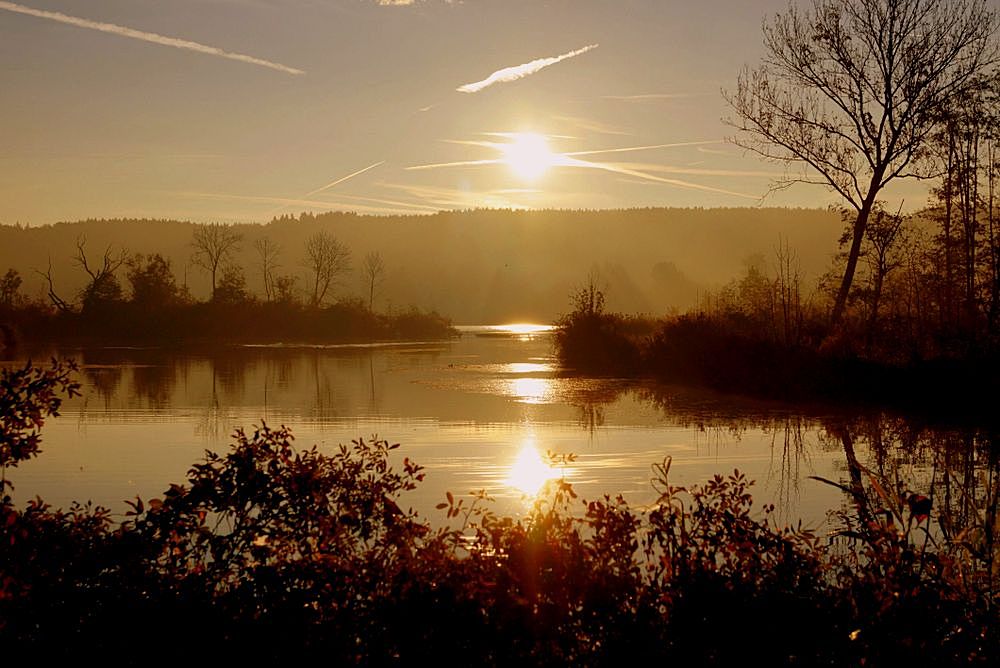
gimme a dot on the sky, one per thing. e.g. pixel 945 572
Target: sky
pixel 242 110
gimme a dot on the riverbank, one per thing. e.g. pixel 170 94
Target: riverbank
pixel 702 351
pixel 207 323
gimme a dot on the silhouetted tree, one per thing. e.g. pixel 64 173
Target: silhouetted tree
pixel 232 288
pixel 153 283
pixel 103 288
pixel 373 272
pixel 327 259
pixel 851 90
pixel 61 304
pixel 213 245
pixel 588 300
pixel 10 286
pixel 284 289
pixel 884 235
pixel 267 254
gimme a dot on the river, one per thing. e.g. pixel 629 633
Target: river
pixel 478 412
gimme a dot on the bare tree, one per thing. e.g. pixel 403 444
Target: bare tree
pixel 883 236
pixel 327 259
pixel 373 272
pixel 213 245
pixel 788 284
pixel 56 300
pixel 103 286
pixel 850 90
pixel 267 254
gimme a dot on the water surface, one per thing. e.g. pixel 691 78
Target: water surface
pixel 478 412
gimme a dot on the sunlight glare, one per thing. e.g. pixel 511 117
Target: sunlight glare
pixel 530 472
pixel 531 390
pixel 525 328
pixel 528 155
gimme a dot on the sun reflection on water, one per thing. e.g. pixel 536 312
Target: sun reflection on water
pixel 531 390
pixel 529 471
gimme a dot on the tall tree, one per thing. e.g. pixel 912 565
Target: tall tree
pixel 327 259
pixel 373 272
pixel 267 254
pixel 213 245
pixel 851 89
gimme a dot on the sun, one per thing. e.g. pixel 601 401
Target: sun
pixel 528 155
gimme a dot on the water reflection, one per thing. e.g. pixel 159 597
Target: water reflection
pixel 530 471
pixel 462 408
pixel 531 390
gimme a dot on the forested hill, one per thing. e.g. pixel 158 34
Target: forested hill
pixel 474 266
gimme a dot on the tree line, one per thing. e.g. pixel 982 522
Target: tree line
pixel 857 94
pixel 138 296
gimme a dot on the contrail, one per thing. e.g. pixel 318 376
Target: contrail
pixel 344 178
pixel 648 148
pixel 145 36
pixel 520 71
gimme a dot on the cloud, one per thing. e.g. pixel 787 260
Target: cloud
pixel 638 171
pixel 590 125
pixel 145 36
pixel 629 149
pixel 345 178
pixel 325 205
pixel 651 96
pixel 520 71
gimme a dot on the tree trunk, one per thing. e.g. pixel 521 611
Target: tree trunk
pixel 857 236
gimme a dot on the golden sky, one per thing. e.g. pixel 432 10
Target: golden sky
pixel 239 110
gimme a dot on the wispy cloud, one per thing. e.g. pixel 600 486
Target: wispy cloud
pixel 650 96
pixel 521 71
pixel 693 170
pixel 442 197
pixel 628 170
pixel 650 147
pixel 296 202
pixel 590 125
pixel 345 178
pixel 145 36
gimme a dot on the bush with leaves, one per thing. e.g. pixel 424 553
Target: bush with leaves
pixel 269 552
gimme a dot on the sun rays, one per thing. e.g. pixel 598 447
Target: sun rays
pixel 529 157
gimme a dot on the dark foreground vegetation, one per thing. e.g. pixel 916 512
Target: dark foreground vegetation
pixel 726 353
pixel 272 552
pixel 920 331
pixel 857 94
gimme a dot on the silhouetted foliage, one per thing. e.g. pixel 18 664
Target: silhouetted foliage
pixel 850 90
pixel 10 286
pixel 103 291
pixel 28 396
pixel 232 286
pixel 152 281
pixel 279 553
pixel 327 259
pixel 214 245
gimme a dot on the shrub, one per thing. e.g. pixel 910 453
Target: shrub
pixel 272 552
